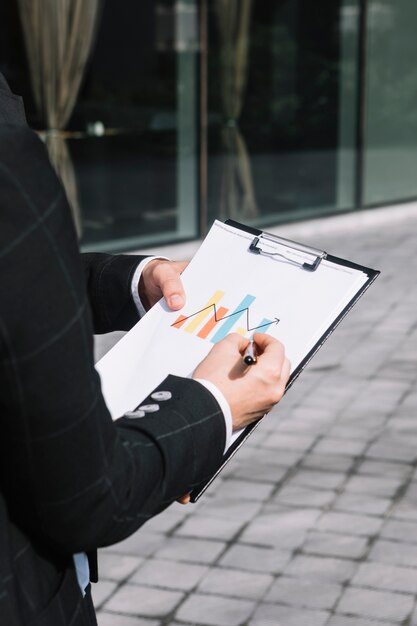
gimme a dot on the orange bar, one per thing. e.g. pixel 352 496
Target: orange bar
pixel 207 328
pixel 198 318
pixel 179 321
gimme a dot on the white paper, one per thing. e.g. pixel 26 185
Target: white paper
pixel 305 303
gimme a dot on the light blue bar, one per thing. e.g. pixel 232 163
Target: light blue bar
pixel 228 324
pixel 263 328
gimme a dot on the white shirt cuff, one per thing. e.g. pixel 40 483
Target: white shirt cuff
pixel 224 405
pixel 135 282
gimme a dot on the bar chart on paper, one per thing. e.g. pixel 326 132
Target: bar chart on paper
pixel 214 321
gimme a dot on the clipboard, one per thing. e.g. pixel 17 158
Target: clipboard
pixel 315 257
pixel 258 282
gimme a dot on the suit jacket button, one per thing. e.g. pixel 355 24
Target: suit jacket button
pixel 134 414
pixel 149 408
pixel 161 395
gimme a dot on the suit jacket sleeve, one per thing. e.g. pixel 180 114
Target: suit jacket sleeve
pixel 72 478
pixel 108 279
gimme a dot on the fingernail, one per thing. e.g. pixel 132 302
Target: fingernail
pixel 175 301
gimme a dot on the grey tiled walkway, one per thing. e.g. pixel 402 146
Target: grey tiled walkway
pixel 315 521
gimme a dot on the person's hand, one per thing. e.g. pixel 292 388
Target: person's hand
pixel 251 390
pixel 162 278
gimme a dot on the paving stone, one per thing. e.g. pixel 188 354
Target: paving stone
pixel 113 619
pixel 140 543
pixel 231 509
pixel 263 472
pixel 382 605
pixel 114 566
pixel 278 615
pixel 413 620
pixel 400 442
pixel 308 411
pixel 405 510
pixel 394 553
pixel 101 591
pixel 143 601
pixel 305 497
pixel 401 423
pixel 285 528
pixel 321 568
pixel 332 445
pixel 214 610
pixel 376 486
pixel 209 527
pixel 245 454
pixel 365 427
pixel 392 451
pixel 347 523
pixel 389 577
pixel 330 544
pixel 281 457
pixel 411 491
pixel 391 389
pixel 244 490
pixel 254 559
pixel 362 503
pixel 304 593
pixel 317 479
pixel 318 426
pixel 379 468
pixel 328 462
pixel 289 441
pixel 344 620
pixel 194 550
pixel 236 583
pixel 400 531
pixel 165 522
pixel 169 574
pixel 258 436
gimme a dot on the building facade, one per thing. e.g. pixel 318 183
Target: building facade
pixel 163 115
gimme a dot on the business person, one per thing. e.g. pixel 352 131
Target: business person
pixel 71 479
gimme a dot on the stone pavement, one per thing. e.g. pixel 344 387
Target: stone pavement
pixel 314 522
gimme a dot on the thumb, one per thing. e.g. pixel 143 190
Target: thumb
pixel 167 277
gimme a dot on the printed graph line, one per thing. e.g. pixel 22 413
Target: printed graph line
pixel 181 320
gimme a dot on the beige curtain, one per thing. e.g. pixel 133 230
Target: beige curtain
pixel 59 36
pixel 237 197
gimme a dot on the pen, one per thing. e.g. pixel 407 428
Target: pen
pixel 250 354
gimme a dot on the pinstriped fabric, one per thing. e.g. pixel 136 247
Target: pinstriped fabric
pixel 70 479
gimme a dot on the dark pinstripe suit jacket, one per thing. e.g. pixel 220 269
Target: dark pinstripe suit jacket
pixel 70 478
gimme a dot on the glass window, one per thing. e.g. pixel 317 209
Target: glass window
pixel 390 159
pixel 126 147
pixel 282 108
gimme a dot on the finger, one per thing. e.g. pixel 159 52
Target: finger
pixel 233 343
pixel 268 345
pixel 180 265
pixel 167 278
pixel 184 499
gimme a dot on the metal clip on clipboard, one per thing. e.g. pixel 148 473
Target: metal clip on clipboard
pixel 318 255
